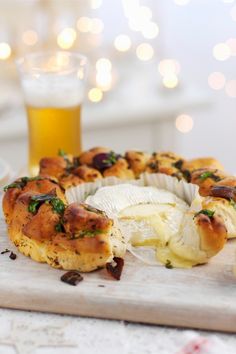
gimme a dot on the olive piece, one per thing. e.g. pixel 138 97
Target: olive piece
pixel 105 160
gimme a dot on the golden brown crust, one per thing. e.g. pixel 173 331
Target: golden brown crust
pixel 137 161
pixel 52 166
pixel 120 169
pixel 86 158
pixel 41 185
pixel 206 179
pixel 88 174
pixel 213 233
pixel 165 162
pixel 202 162
pixel 70 180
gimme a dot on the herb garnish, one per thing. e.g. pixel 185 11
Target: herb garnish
pixel 209 174
pixel 86 233
pixel 111 158
pixel 207 212
pixel 6 251
pixel 168 264
pixel 56 203
pixel 59 227
pixel 69 164
pixel 21 183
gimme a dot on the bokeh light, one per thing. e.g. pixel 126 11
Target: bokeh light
pixel 150 31
pixel 103 64
pixel 170 81
pixel 144 51
pixel 84 24
pixel 230 88
pixel 30 37
pixel 95 4
pixel 95 94
pixel 122 43
pixel 216 80
pixel 5 51
pixel 168 66
pixel 104 80
pixel 184 123
pixel 66 38
pixel 221 51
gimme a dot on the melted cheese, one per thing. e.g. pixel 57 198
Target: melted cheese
pixel 165 255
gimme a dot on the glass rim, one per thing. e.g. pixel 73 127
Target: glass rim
pixel 30 56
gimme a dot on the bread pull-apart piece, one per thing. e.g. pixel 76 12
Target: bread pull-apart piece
pixel 74 237
pixel 223 201
pixel 87 174
pixel 119 169
pixel 27 184
pixel 206 178
pixel 87 157
pixel 167 163
pixel 203 162
pixel 137 161
pixel 201 236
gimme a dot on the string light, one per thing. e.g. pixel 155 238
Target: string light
pixel 84 24
pixel 216 80
pixel 95 4
pixel 181 2
pixel 230 88
pixel 150 31
pixel 170 81
pixel 168 66
pixel 144 51
pixel 122 43
pixel 5 51
pixel 103 64
pixel 221 51
pixel 66 38
pixel 30 37
pixel 184 123
pixel 104 80
pixel 95 94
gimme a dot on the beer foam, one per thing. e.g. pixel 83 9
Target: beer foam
pixel 53 91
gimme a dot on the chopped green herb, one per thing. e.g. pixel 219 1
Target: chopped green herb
pixel 61 153
pixel 233 203
pixel 59 227
pixel 87 233
pixel 209 174
pixel 111 159
pixel 56 203
pixel 207 212
pixel 21 183
pixel 168 264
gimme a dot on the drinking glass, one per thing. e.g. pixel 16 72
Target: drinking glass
pixel 53 86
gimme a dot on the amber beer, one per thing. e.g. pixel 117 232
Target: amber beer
pixel 51 129
pixel 53 87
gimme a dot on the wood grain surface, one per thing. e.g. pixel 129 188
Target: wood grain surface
pixel 203 297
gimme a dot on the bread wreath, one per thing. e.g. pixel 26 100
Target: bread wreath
pixel 83 238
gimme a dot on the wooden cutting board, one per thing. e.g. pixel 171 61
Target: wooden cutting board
pixel 202 297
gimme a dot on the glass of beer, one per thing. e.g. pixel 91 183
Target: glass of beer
pixel 53 87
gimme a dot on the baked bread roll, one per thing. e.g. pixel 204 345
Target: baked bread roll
pixel 78 237
pixel 202 235
pixel 202 162
pixel 167 163
pixel 206 178
pixel 137 161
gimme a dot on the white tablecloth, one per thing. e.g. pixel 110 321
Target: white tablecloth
pixel 29 332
